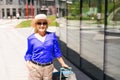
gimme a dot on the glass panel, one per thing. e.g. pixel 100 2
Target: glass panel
pixel 63 27
pixel 14 12
pixel 3 13
pixel 9 2
pixel 73 31
pixel 24 2
pixel 8 13
pixel 24 11
pixel 20 11
pixel 30 2
pixel 21 1
pixel 113 41
pixel 92 39
pixel 1 2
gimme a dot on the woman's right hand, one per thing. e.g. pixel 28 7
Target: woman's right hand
pixel 29 65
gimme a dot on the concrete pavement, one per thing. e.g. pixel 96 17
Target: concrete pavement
pixel 12 48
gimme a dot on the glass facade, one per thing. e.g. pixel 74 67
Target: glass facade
pixel 90 36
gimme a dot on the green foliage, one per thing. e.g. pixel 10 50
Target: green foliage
pixel 73 17
pixel 74 9
pixel 110 7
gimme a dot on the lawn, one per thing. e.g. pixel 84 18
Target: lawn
pixel 27 23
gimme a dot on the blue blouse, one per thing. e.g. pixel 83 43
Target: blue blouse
pixel 43 52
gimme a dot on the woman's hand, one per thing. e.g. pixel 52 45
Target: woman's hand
pixel 61 61
pixel 65 65
pixel 29 65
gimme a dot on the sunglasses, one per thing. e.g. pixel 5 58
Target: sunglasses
pixel 42 23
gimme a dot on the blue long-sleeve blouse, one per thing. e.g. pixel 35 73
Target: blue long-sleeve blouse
pixel 42 52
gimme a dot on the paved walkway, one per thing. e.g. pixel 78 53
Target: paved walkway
pixel 13 46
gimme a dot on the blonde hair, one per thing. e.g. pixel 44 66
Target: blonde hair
pixel 33 24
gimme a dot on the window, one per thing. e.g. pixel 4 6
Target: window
pixel 19 11
pixel 3 13
pixel 30 2
pixel 24 1
pixel 1 2
pixel 20 2
pixel 14 12
pixel 9 2
pixel 8 12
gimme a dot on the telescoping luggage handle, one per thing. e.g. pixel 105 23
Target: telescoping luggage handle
pixel 65 71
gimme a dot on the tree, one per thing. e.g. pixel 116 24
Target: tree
pixel 99 6
pixel 74 8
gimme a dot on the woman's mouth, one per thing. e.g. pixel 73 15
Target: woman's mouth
pixel 42 29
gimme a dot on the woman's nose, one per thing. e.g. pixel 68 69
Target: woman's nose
pixel 41 25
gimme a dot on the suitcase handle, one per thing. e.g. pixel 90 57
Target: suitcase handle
pixel 64 69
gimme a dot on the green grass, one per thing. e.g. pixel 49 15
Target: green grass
pixel 27 23
pixel 53 21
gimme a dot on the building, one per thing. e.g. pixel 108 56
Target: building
pixel 26 8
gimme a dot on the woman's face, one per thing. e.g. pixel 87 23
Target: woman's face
pixel 42 25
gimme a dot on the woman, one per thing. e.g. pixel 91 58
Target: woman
pixel 42 49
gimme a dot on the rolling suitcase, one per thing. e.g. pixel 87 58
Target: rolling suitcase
pixel 64 74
